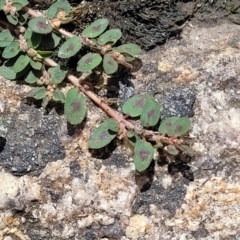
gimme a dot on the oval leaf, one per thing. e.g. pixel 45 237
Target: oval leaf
pixel 58 96
pixel 166 124
pixel 134 105
pixel 150 113
pixel 110 66
pixel 96 28
pixel 57 73
pixel 69 48
pixel 179 127
pixel 40 25
pixel 21 63
pixel 22 2
pixel 60 5
pixel 37 93
pixel 11 50
pixel 130 48
pixel 6 38
pixel 112 125
pixel 101 136
pixel 110 37
pixel 89 62
pixel 186 149
pixel 7 71
pixel 75 107
pixel 171 150
pixel 33 76
pixel 35 64
pixel 143 154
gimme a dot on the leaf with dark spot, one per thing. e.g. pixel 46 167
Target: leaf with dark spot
pixel 134 105
pixel 166 124
pixel 40 25
pixel 75 107
pixel 143 154
pixel 70 47
pixel 150 113
pixel 103 135
pixel 110 66
pixel 89 62
pixel 179 127
pixel 96 28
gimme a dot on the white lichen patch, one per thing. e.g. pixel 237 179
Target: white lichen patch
pixel 215 203
pixel 139 226
pixel 216 125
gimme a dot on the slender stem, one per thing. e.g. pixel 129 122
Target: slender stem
pixel 111 112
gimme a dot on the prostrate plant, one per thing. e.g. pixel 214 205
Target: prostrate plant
pixel 170 136
pixel 32 37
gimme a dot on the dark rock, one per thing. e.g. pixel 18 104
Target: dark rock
pixel 178 102
pixel 31 142
pixel 112 231
pixel 169 199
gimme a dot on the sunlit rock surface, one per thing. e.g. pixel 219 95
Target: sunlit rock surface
pixel 82 197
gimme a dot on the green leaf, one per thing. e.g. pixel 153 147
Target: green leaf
pixel 143 154
pixel 102 136
pixel 166 124
pixel 23 3
pixel 110 66
pixel 37 92
pixel 58 96
pixel 89 62
pixel 7 71
pixel 40 25
pixel 128 57
pixel 112 124
pixel 70 47
pixel 171 150
pixel 12 19
pixel 110 37
pixel 11 50
pixel 21 63
pixel 134 105
pixel 45 54
pixel 6 38
pixel 132 137
pixel 60 5
pixel 28 33
pixel 17 5
pixel 34 40
pixel 96 28
pixel 2 4
pixel 179 127
pixel 33 76
pixel 130 48
pixel 186 149
pixel 75 106
pixel 35 64
pixel 57 73
pixel 150 113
